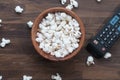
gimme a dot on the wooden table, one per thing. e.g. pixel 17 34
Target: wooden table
pixel 20 58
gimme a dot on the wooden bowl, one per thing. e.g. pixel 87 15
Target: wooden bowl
pixel 36 25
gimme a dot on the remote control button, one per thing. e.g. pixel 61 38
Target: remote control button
pixel 116 33
pixel 114 20
pixel 108 26
pixel 116 26
pixel 95 42
pixel 111 39
pixel 108 36
pixel 103 32
pixel 114 36
pixel 105 39
pixel 118 13
pixel 119 21
pixel 102 42
pixel 110 33
pixel 101 35
pixel 106 46
pixel 119 28
pixel 106 29
pixel 98 39
pixel 109 42
pixel 113 29
pixel 103 48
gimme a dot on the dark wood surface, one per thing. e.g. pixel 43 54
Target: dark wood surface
pixel 20 57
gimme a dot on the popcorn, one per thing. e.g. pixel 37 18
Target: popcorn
pixel 30 24
pixel 27 77
pixel 4 42
pixel 56 77
pixel 69 7
pixel 56 37
pixel 98 0
pixel 90 60
pixel 0 21
pixel 49 16
pixel 64 15
pixel 107 55
pixel 18 9
pixel 0 77
pixel 63 1
pixel 57 54
pixel 74 3
pixel 68 18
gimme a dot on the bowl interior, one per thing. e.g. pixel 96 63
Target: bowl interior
pixel 35 29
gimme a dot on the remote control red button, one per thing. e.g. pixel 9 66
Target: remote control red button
pixel 95 42
pixel 103 49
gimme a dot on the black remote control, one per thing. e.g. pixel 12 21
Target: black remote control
pixel 106 37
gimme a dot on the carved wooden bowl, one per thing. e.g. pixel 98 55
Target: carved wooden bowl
pixel 35 29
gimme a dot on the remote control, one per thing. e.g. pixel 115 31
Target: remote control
pixel 106 37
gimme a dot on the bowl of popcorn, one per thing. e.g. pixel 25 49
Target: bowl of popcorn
pixel 58 34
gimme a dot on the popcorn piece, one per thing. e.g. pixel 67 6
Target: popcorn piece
pixel 63 15
pixel 0 77
pixel 57 54
pixel 63 1
pixel 90 60
pixel 18 9
pixel 98 0
pixel 69 6
pixel 0 21
pixel 107 55
pixel 27 77
pixel 74 3
pixel 50 16
pixel 4 42
pixel 56 77
pixel 30 24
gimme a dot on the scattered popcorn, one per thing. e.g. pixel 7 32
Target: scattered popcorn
pixel 69 6
pixel 18 9
pixel 99 0
pixel 4 42
pixel 30 24
pixel 27 77
pixel 0 21
pixel 63 1
pixel 90 60
pixel 107 55
pixel 56 77
pixel 58 34
pixel 0 77
pixel 74 3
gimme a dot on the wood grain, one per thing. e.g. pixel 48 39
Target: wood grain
pixel 20 57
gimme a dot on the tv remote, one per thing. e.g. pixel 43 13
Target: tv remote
pixel 106 37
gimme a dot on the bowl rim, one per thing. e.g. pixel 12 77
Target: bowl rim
pixel 38 20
